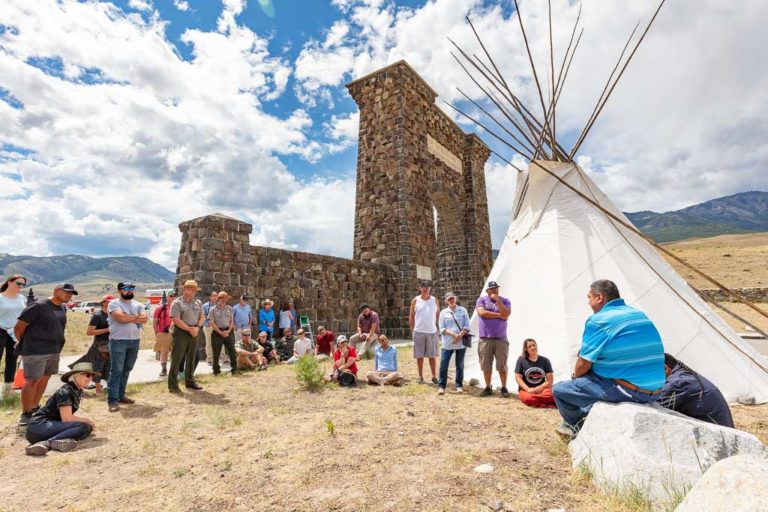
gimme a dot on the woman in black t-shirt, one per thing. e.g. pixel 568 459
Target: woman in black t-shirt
pixel 98 352
pixel 54 426
pixel 534 377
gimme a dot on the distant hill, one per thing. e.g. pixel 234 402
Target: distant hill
pixel 75 268
pixel 740 213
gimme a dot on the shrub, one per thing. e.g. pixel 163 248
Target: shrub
pixel 308 373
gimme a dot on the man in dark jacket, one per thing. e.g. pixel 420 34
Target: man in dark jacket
pixel 689 393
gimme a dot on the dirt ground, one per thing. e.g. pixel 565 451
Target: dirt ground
pixel 258 441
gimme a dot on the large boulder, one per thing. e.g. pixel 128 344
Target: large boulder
pixel 633 448
pixel 735 484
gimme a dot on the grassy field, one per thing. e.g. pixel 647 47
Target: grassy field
pixel 78 342
pixel 257 441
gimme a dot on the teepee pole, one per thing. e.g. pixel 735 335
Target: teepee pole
pixel 552 72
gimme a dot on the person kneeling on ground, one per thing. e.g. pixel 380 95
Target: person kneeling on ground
pixel 621 360
pixel 385 365
pixel 284 347
pixel 344 363
pixel 303 345
pixel 691 394
pixel 249 352
pixel 54 426
pixel 534 377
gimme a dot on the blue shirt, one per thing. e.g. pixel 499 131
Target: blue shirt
pixel 206 310
pixel 264 317
pixel 447 322
pixel 621 342
pixel 385 360
pixel 242 316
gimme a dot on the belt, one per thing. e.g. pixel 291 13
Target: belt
pixel 632 387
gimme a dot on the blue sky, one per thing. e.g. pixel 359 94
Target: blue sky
pixel 122 119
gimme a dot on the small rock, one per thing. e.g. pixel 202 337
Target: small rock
pixel 411 413
pixel 494 505
pixel 474 382
pixel 484 468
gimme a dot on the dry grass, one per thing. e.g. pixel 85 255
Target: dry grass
pixel 78 342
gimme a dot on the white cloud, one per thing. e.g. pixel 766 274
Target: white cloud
pixel 141 5
pixel 344 129
pixel 181 5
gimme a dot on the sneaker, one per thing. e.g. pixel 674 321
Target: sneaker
pixel 113 406
pixel 459 390
pixel 434 381
pixel 441 391
pixel 566 432
pixel 487 391
pixel 38 449
pixel 420 381
pixel 64 445
pixel 164 373
pixel 504 392
pixel 23 420
pixel 126 400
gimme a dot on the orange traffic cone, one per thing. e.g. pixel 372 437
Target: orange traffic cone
pixel 18 381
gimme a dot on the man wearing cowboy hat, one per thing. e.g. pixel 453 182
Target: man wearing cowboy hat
pixel 126 315
pixel 267 318
pixel 187 316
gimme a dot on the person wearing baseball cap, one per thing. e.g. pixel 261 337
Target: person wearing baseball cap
pixel 98 352
pixel 493 311
pixel 126 316
pixel 187 316
pixel 40 331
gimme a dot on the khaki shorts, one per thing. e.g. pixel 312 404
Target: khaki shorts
pixel 162 342
pixel 424 345
pixel 488 348
pixel 35 367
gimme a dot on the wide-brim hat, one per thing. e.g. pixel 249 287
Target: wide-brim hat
pixel 80 368
pixel 191 283
pixel 267 301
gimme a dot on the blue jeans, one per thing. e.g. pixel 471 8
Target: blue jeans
pixel 574 398
pixel 445 359
pixel 122 357
pixel 50 430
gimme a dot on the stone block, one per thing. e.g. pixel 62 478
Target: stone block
pixel 734 484
pixel 632 447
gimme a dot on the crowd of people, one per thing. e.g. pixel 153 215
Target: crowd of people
pixel 621 358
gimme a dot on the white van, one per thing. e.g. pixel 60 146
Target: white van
pixel 89 307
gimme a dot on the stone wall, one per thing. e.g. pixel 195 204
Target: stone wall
pixel 751 294
pixel 215 252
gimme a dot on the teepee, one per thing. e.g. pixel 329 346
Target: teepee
pixel 565 234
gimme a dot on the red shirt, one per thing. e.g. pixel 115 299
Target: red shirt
pixel 162 318
pixel 325 342
pixel 351 353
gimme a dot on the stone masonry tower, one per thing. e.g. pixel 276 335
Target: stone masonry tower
pixel 415 166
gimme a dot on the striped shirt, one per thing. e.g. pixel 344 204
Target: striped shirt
pixel 621 342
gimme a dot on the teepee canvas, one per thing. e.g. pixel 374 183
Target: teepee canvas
pixel 558 243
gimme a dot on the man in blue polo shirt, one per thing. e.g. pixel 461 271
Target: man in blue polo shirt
pixel 385 365
pixel 621 359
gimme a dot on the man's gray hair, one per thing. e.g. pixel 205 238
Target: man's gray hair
pixel 606 288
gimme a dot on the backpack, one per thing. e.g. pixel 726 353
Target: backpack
pixel 347 380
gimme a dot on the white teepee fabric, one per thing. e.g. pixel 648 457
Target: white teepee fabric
pixel 558 243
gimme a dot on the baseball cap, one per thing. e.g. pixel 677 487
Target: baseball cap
pixel 67 287
pixel 341 338
pixel 450 295
pixel 492 284
pixel 124 285
pixel 246 331
pixel 107 298
pixel 425 284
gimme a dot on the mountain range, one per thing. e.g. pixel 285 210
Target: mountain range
pixel 745 212
pixel 75 268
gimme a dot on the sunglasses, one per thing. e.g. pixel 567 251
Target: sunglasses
pixel 128 289
pixel 20 283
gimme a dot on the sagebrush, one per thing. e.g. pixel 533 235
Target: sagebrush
pixel 308 373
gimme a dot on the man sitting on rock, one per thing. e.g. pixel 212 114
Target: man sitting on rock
pixel 284 347
pixel 621 359
pixel 385 365
pixel 691 394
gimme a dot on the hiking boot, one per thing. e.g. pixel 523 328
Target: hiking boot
pixel 216 374
pixel 64 445
pixel 37 449
pixel 126 400
pixel 176 390
pixel 487 391
pixel 163 373
pixel 566 432
pixel 504 392
pixel 193 385
pixel 441 391
pixel 23 420
pixel 420 381
pixel 434 381
pixel 113 406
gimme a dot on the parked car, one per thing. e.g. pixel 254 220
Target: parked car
pixel 89 307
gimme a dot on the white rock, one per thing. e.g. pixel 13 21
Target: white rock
pixel 735 484
pixel 631 447
pixel 484 468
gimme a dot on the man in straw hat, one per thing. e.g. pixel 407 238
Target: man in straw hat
pixel 187 317
pixel 54 426
pixel 40 331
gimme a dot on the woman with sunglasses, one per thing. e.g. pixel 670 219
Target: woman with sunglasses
pixel 55 426
pixel 12 303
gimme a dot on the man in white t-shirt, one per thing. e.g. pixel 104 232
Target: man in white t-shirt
pixel 423 318
pixel 126 315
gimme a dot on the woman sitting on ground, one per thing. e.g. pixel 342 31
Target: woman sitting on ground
pixel 54 426
pixel 689 393
pixel 344 363
pixel 534 377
